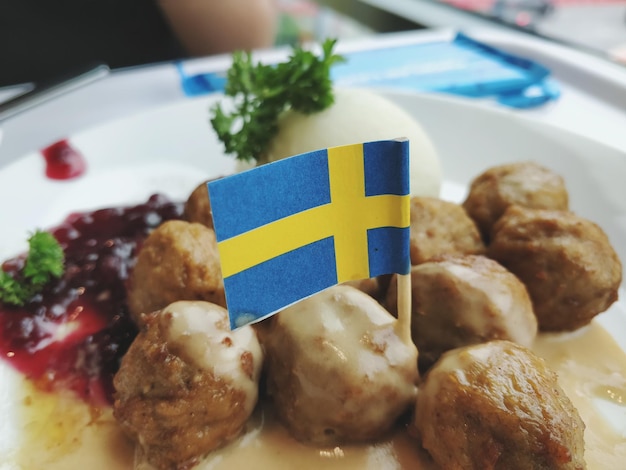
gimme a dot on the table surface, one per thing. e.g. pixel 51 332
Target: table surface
pixel 593 25
pixel 593 100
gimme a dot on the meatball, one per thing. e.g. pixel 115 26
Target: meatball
pixel 198 206
pixel 462 300
pixel 570 269
pixel 337 370
pixel 373 287
pixel 440 227
pixel 187 384
pixel 178 261
pixel 525 183
pixel 497 406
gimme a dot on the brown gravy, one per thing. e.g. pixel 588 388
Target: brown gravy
pixel 62 433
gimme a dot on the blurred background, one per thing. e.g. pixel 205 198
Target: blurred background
pixel 598 26
pixel 40 39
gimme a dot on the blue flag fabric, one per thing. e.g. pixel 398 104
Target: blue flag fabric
pixel 289 229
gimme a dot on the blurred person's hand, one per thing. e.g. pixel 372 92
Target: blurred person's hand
pixel 206 27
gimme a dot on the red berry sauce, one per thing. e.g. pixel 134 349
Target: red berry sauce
pixel 74 334
pixel 63 162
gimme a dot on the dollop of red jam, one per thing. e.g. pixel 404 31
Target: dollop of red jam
pixel 63 161
pixel 74 333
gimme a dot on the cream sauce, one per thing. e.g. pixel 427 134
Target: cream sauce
pixel 200 331
pixel 62 433
pixel 592 371
pixel 346 358
pixel 344 316
pixel 481 291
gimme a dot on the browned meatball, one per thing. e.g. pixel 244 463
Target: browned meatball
pixel 187 384
pixel 440 227
pixel 525 183
pixel 570 269
pixel 198 206
pixel 178 261
pixel 497 406
pixel 462 300
pixel 336 368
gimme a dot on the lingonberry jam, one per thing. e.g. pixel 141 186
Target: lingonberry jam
pixel 74 333
pixel 63 161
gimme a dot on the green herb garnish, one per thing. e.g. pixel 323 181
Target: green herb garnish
pixel 262 92
pixel 43 263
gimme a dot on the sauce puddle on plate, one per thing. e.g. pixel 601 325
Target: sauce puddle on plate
pixel 61 431
pixel 68 433
pixel 592 371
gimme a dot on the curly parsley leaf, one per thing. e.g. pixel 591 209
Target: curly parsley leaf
pixel 44 262
pixel 263 92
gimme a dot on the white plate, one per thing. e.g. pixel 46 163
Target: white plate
pixel 172 149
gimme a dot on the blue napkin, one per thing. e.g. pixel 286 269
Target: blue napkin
pixel 462 66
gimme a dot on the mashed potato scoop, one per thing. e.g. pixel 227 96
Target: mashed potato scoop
pixel 360 115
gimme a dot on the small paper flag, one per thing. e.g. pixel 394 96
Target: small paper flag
pixel 289 229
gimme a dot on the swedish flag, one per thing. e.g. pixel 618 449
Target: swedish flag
pixel 292 228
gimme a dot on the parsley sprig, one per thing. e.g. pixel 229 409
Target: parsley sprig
pixel 43 263
pixel 263 92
